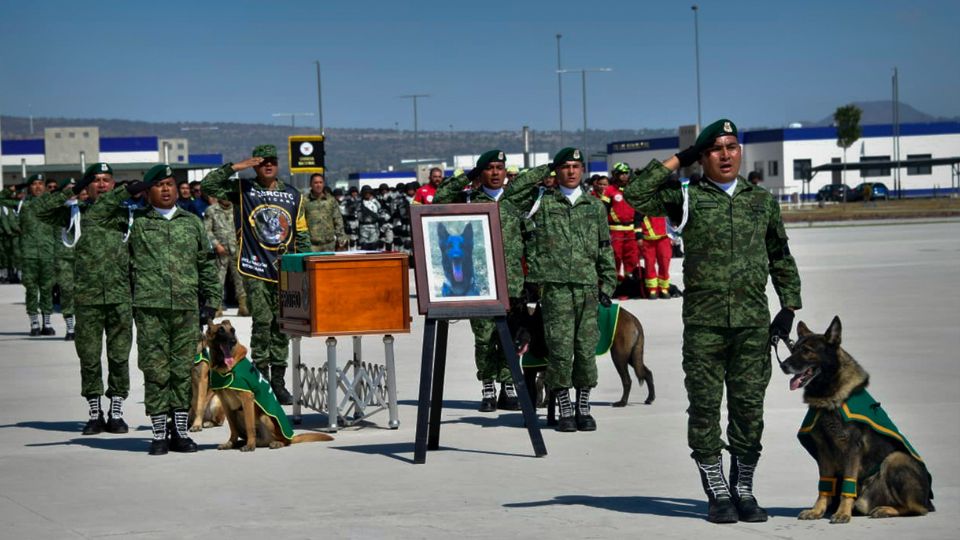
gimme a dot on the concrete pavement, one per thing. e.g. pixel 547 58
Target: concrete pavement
pixel 893 286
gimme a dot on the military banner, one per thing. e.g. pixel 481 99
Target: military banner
pixel 268 221
pixel 306 153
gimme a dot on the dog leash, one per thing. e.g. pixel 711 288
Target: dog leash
pixel 775 340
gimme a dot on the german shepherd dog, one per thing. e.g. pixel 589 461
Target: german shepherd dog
pixel 246 419
pixel 626 350
pixel 457 258
pixel 889 480
pixel 202 398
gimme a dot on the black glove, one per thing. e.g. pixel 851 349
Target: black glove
pixel 474 174
pixel 80 186
pixel 781 326
pixel 604 299
pixel 689 156
pixel 138 187
pixel 207 314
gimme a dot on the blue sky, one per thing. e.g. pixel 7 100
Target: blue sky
pixel 488 65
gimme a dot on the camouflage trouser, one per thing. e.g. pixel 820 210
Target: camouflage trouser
pixel 327 246
pixel 38 281
pixel 369 236
pixel 227 265
pixel 116 321
pixel 268 343
pixel 13 261
pixel 571 331
pixel 166 344
pixel 487 353
pixel 350 229
pixel 64 278
pixel 738 358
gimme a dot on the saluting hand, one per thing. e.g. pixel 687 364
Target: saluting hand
pixel 221 251
pixel 247 163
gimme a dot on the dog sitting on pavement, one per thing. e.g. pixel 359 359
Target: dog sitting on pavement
pixel 252 410
pixel 861 455
pixel 202 398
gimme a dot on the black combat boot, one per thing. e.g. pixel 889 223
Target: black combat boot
pixel 567 423
pixel 488 401
pixel 508 400
pixel 70 321
pixel 720 504
pixel 585 421
pixel 34 325
pixel 95 424
pixel 47 329
pixel 180 441
pixel 276 382
pixel 741 486
pixel 159 445
pixel 115 423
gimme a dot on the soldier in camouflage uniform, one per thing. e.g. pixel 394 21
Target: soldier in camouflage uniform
pixel 372 218
pixel 10 233
pixel 259 260
pixel 63 273
pixel 387 206
pixel 174 268
pixel 323 217
pixel 402 230
pixel 37 256
pixel 349 207
pixel 487 352
pixel 574 269
pixel 222 232
pixel 101 291
pixel 734 240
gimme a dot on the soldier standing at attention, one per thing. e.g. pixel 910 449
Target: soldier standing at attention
pixel 574 268
pixel 37 256
pixel 101 292
pixel 222 232
pixel 734 240
pixel 371 217
pixel 63 243
pixel 175 267
pixel 272 223
pixel 323 217
pixel 426 193
pixel 488 354
pixel 349 207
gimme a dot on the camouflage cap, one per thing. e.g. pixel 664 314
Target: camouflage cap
pixel 39 177
pixel 620 167
pixel 157 173
pixel 567 154
pixel 97 168
pixel 265 151
pixel 490 156
pixel 717 129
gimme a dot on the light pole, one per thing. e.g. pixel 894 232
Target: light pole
pixel 560 88
pixel 319 98
pixel 416 129
pixel 293 116
pixel 583 80
pixel 696 49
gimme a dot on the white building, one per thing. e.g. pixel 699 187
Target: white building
pixel 784 155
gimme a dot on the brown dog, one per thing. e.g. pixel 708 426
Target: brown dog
pixel 202 398
pixel 861 455
pixel 253 415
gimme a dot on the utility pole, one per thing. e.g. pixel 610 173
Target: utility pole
pixel 560 87
pixel 319 98
pixel 897 183
pixel 583 80
pixel 696 47
pixel 416 128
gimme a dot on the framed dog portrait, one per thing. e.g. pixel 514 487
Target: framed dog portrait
pixel 458 252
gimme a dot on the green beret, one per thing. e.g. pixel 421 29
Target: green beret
pixel 490 156
pixel 567 154
pixel 95 169
pixel 65 182
pixel 620 167
pixel 717 129
pixel 265 151
pixel 157 173
pixel 39 177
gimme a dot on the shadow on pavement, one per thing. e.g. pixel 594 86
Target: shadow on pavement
pixel 657 506
pixel 395 451
pixel 67 426
pixel 447 403
pixel 125 444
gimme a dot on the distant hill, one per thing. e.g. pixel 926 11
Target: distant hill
pixel 347 150
pixel 881 112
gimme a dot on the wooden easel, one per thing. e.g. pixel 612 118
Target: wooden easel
pixel 432 370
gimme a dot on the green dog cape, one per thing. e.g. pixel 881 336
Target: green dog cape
pixel 859 407
pixel 607 318
pixel 245 377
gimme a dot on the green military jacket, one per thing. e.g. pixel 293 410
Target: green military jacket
pixel 452 191
pixel 36 236
pixel 324 221
pixel 217 183
pixel 173 261
pixel 571 241
pixel 221 229
pixel 102 259
pixel 731 245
